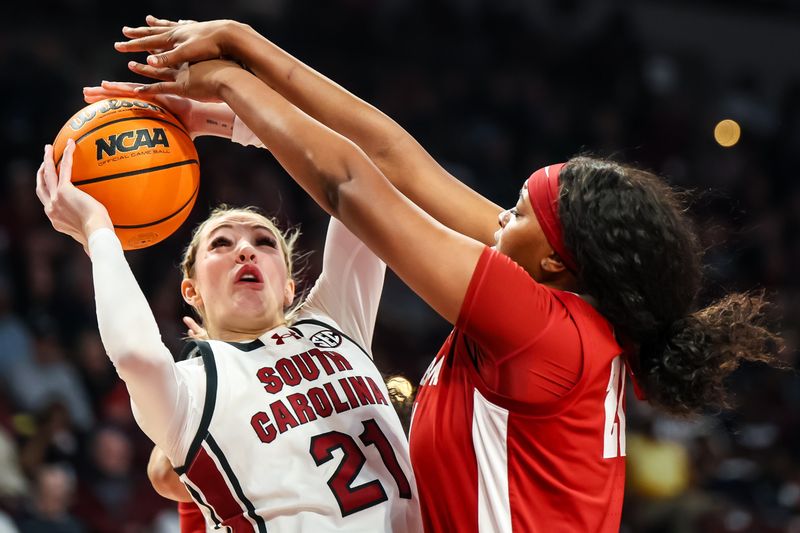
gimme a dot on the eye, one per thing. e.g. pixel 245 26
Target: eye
pixel 514 211
pixel 267 240
pixel 219 241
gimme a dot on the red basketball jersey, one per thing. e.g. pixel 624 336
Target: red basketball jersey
pixel 191 518
pixel 487 462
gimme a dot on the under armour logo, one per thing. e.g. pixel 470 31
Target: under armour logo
pixel 279 337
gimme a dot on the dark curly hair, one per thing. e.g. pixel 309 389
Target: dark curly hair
pixel 639 257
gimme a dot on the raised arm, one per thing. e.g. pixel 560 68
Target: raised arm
pixel 406 164
pixel 435 261
pixel 127 327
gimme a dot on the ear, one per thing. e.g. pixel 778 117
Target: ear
pixel 288 293
pixel 190 294
pixel 552 264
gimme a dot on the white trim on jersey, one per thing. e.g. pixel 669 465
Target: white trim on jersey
pixel 489 439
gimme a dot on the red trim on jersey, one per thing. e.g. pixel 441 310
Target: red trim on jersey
pixel 205 475
pixel 191 518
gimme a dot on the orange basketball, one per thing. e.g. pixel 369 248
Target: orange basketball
pixel 136 159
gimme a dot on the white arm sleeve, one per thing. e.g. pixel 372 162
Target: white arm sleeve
pixel 349 288
pixel 161 393
pixel 243 135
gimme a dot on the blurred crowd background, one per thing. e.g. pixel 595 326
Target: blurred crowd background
pixel 494 89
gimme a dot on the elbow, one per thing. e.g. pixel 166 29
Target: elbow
pixel 335 175
pixel 332 192
pixel 131 363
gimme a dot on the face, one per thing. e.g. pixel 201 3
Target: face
pixel 240 279
pixel 521 238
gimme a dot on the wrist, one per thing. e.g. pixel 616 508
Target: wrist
pixel 95 222
pixel 238 40
pixel 215 119
pixel 226 80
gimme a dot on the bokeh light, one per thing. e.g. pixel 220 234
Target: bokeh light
pixel 727 133
pixel 400 387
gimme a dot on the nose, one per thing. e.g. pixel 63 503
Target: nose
pixel 502 218
pixel 246 253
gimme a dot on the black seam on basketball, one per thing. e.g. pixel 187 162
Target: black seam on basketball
pixel 148 224
pixel 101 126
pixel 136 172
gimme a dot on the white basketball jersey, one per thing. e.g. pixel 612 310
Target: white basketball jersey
pixel 298 434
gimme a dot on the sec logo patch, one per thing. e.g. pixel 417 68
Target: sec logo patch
pixel 326 339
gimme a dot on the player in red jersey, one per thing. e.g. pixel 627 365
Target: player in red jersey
pixel 520 420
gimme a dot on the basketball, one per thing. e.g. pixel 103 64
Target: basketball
pixel 136 159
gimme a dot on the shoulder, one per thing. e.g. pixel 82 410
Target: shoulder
pixel 195 362
pixel 588 320
pixel 311 317
pixel 504 275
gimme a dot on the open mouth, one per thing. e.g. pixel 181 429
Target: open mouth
pixel 249 274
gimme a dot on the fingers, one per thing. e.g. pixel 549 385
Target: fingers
pixel 144 42
pixel 164 87
pixel 165 59
pixel 41 189
pixel 50 174
pixel 163 74
pixel 109 89
pixel 153 21
pixel 196 331
pixel 119 86
pixel 141 32
pixel 187 52
pixel 65 177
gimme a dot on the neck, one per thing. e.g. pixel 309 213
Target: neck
pixel 565 281
pixel 240 335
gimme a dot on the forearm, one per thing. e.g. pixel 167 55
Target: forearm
pixel 347 184
pixel 213 119
pixel 317 95
pixel 404 162
pixel 316 157
pixel 131 338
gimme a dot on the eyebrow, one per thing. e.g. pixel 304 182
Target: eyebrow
pixel 251 226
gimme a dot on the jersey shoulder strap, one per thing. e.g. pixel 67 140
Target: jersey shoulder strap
pixel 202 348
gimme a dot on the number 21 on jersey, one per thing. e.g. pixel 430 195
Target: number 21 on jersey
pixel 614 430
pixel 350 498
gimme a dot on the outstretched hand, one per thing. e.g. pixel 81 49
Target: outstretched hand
pixel 199 118
pixel 173 43
pixel 70 210
pixel 199 81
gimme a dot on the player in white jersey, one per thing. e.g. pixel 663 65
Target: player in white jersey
pixel 278 424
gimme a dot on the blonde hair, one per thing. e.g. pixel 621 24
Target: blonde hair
pixel 286 240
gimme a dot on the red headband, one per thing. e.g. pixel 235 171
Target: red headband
pixel 543 193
